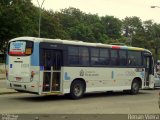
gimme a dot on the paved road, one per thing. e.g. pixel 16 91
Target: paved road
pixel 2 83
pixel 101 103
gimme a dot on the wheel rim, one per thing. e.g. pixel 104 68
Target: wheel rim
pixel 77 90
pixel 135 87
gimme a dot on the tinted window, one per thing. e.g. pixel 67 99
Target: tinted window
pixel 122 58
pixel 73 51
pixel 99 56
pixel 73 55
pixel 104 57
pixel 94 56
pixel 83 56
pixel 134 58
pixel 78 56
pixel 114 57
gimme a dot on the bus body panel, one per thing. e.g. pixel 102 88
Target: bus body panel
pixel 24 70
pixel 151 81
pixel 26 83
pixel 19 69
pixel 101 79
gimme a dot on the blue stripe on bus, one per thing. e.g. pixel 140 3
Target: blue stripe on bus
pixel 35 55
pixel 41 68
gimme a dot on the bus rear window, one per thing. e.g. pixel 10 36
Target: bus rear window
pixel 20 48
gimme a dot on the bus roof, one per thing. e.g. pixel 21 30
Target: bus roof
pixel 81 43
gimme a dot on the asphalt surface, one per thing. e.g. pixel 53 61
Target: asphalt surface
pixel 99 103
pixel 97 106
pixel 4 89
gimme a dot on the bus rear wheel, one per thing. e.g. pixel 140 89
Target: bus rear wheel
pixel 77 89
pixel 135 87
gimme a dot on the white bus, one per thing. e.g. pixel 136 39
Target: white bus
pixel 53 66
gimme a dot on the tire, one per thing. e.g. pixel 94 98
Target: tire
pixel 135 87
pixel 77 89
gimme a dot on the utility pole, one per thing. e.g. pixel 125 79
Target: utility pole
pixel 157 43
pixel 40 14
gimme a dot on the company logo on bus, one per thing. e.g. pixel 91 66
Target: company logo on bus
pixel 81 73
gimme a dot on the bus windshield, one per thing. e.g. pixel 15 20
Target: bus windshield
pixel 20 48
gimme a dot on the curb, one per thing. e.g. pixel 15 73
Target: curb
pixel 7 91
pixel 4 93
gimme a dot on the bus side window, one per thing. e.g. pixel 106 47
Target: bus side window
pixel 134 58
pixel 104 57
pixel 83 56
pixel 122 58
pixel 48 62
pixel 73 55
pixel 94 56
pixel 131 62
pixel 114 57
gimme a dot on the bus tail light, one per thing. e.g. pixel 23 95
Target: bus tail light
pixel 32 75
pixel 46 85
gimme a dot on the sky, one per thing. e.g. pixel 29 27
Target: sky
pixel 117 8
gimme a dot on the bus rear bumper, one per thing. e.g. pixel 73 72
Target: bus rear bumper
pixel 28 87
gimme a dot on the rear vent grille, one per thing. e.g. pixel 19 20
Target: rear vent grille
pixel 16 85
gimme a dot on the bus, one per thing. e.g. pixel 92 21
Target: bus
pixel 58 67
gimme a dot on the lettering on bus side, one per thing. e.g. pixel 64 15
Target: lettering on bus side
pixel 126 73
pixel 139 69
pixel 88 73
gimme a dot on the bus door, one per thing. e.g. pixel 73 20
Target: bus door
pixel 148 69
pixel 52 60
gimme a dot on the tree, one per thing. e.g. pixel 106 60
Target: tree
pixel 21 18
pixel 112 26
pixel 131 27
pixel 17 19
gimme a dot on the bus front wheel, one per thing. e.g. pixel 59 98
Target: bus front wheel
pixel 77 89
pixel 135 87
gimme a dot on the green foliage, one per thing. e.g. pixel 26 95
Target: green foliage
pixel 16 20
pixel 112 26
pixel 21 18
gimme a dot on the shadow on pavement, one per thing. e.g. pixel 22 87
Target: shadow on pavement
pixel 36 98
